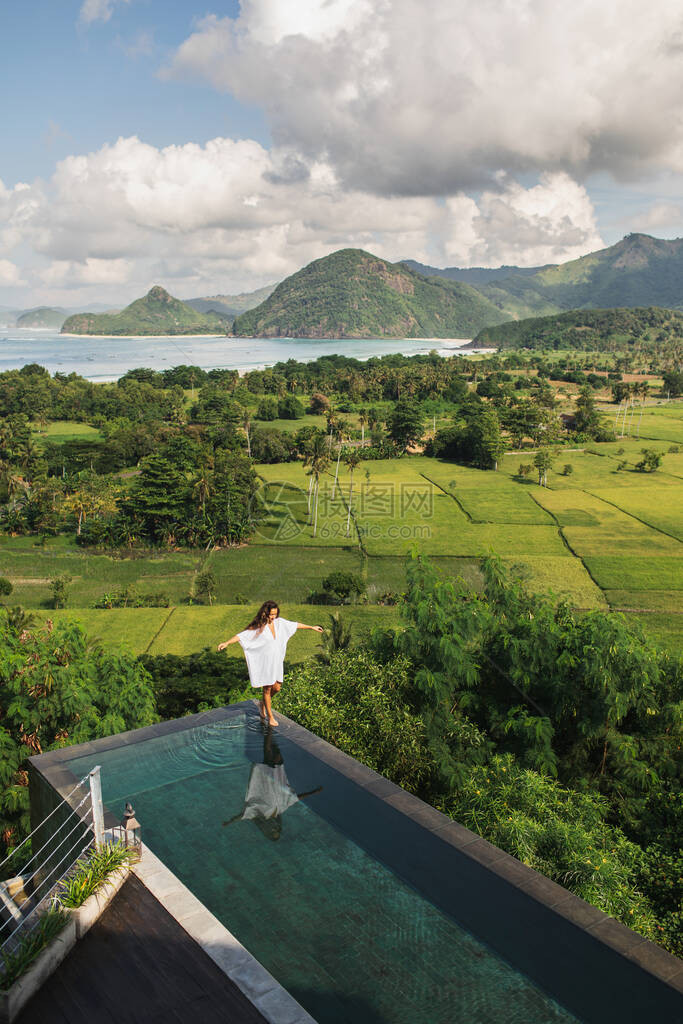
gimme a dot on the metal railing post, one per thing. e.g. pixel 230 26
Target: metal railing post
pixel 97 808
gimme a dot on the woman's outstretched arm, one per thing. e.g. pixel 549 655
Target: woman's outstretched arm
pixel 226 643
pixel 302 625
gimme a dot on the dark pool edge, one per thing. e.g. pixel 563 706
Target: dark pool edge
pixel 612 934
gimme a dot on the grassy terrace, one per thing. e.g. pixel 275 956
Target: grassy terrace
pixel 602 537
pixel 181 630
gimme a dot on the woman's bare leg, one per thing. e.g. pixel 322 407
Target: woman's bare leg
pixel 266 701
pixel 262 707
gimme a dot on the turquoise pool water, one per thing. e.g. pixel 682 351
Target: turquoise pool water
pixel 272 841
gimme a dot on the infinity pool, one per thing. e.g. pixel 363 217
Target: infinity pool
pixel 309 872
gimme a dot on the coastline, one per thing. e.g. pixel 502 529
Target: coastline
pixel 103 357
pixel 141 337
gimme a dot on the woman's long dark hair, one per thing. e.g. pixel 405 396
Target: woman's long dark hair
pixel 263 614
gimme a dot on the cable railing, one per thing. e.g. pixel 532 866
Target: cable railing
pixel 38 880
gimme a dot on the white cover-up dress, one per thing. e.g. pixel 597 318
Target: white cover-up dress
pixel 265 653
pixel 269 793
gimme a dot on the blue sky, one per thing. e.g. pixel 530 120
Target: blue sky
pixel 75 86
pixel 216 147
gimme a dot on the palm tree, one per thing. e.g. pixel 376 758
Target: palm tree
pixel 362 420
pixel 202 487
pixel 307 452
pixel 319 461
pixel 341 427
pixel 351 459
pixel 336 638
pixel 246 424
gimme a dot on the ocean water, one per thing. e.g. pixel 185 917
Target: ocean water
pixel 103 359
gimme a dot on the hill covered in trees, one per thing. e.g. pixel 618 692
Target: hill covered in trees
pixel 353 294
pixel 157 313
pixel 637 271
pixel 586 329
pixel 42 317
pixel 230 305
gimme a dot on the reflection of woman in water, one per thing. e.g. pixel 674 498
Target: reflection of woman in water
pixel 264 643
pixel 269 793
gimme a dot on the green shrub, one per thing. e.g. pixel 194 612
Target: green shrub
pixel 659 874
pixel 557 831
pixel 357 704
pixel 183 685
pixel 290 408
pixel 267 410
pixel 339 588
pixel 17 963
pixel 90 873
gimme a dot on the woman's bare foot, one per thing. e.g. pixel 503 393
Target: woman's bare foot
pixel 262 712
pixel 272 721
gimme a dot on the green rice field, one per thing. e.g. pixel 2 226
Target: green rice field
pixel 600 537
pixel 183 630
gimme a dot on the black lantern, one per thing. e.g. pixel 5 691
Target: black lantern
pixel 128 833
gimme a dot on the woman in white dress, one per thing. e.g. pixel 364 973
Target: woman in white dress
pixel 264 643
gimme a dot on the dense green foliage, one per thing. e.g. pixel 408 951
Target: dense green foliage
pixel 185 685
pixel 56 688
pixel 474 438
pixel 406 423
pixel 369 709
pixel 352 294
pixel 158 313
pixel 582 698
pixel 597 330
pixel 360 705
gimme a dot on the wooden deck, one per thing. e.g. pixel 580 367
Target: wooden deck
pixel 138 966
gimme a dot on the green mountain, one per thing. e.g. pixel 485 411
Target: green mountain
pixel 158 313
pixel 230 305
pixel 43 316
pixel 594 329
pixel 638 271
pixel 353 294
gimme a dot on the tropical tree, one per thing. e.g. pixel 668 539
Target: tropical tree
pixel 318 463
pixel 337 637
pixel 650 461
pixel 56 689
pixel 59 586
pixel 158 496
pixel 340 427
pixel 586 417
pixel 543 461
pixel 406 423
pixel 351 459
pixel 205 585
pixel 201 487
pixel 362 422
pixel 245 419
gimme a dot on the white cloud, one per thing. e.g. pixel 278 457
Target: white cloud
pixel 90 271
pixel 141 45
pixel 9 274
pixel 97 10
pixel 658 215
pixel 550 222
pixel 231 215
pixel 403 97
